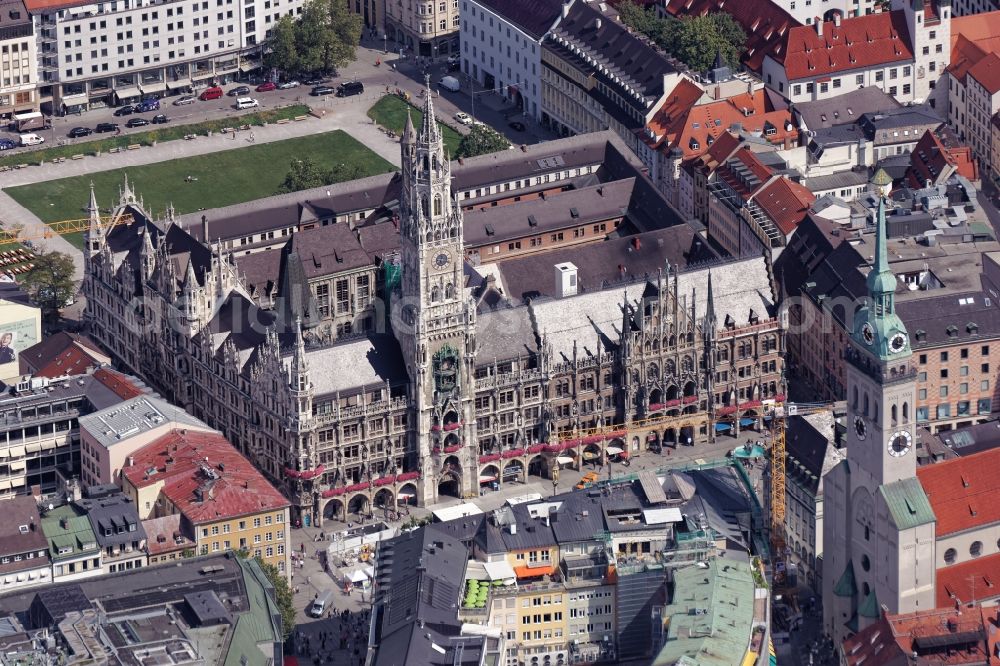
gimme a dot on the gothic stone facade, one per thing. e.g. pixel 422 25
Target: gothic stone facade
pixel 455 396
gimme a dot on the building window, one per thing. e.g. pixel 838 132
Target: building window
pixel 950 555
pixel 976 549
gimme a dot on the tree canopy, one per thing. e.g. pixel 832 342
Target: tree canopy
pixel 50 282
pixel 322 39
pixel 481 140
pixel 304 174
pixel 695 41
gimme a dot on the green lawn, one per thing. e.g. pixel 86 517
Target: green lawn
pixel 166 132
pixel 224 178
pixel 390 112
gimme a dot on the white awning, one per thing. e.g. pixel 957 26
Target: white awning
pixel 487 479
pixel 183 83
pixel 248 66
pixel 33 448
pixel 565 460
pixel 4 484
pixel 614 450
pixel 48 445
pixel 153 86
pixel 125 93
pixel 500 570
pixel 73 100
pixel 405 496
pixel 457 511
pixel 16 451
pixel 4 453
pixel 18 465
pixel 660 516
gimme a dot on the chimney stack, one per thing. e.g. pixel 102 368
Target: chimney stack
pixel 204 229
pixel 819 25
pixel 836 19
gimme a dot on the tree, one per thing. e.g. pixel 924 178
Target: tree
pixel 283 53
pixel 50 282
pixel 323 38
pixel 480 141
pixel 284 598
pixel 304 174
pixel 695 41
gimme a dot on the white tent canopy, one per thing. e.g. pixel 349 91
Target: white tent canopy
pixel 613 450
pixel 359 574
pixel 500 570
pixel 458 511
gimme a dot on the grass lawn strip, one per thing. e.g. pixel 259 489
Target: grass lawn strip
pixel 222 179
pixel 390 112
pixel 166 132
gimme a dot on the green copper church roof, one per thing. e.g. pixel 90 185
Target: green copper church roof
pixel 846 587
pixel 908 503
pixel 869 606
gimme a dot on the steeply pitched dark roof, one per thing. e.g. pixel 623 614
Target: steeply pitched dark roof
pixel 534 17
pixel 296 302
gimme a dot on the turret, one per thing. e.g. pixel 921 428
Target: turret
pixel 95 229
pixel 147 255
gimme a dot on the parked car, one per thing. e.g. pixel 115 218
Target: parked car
pixel 267 86
pixel 7 144
pixel 315 81
pixel 186 99
pixel 77 132
pixel 463 118
pixel 587 479
pixel 246 103
pixel 350 88
pixel 126 110
pixel 238 91
pixel 160 119
pixel 31 139
pixel 288 84
pixel 450 83
pixel 137 122
pixel 319 91
pixel 146 105
pixel 516 126
pixel 454 66
pixel 106 127
pixel 210 93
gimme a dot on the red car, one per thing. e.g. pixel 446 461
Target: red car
pixel 266 86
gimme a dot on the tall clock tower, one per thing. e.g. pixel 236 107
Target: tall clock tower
pixel 878 526
pixel 434 318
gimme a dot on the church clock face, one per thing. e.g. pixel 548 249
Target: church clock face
pixel 897 342
pixel 442 260
pixel 900 443
pixel 868 333
pixel 860 428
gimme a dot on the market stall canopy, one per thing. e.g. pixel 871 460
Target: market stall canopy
pixel 500 570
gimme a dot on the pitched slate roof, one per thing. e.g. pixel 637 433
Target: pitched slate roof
pixel 963 492
pixel 858 43
pixel 844 109
pixel 60 354
pixel 534 17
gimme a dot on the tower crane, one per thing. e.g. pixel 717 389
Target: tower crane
pixel 777 496
pixel 62 227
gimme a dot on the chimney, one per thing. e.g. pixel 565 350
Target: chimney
pixel 512 528
pixel 204 229
pixel 597 24
pixel 836 19
pixel 565 8
pixel 637 242
pixel 566 279
pixel 131 461
pixel 819 25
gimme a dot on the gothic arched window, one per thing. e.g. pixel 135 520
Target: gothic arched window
pixel 437 204
pixel 435 295
pixel 424 206
pixel 449 291
pixel 434 160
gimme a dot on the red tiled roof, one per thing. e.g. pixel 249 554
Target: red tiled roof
pixel 858 43
pixel 786 203
pixel 972 38
pixel 987 73
pixel 763 21
pixel 973 580
pixel 187 461
pixel 61 354
pixel 693 128
pixel 161 534
pixel 937 155
pixel 745 157
pixel 721 150
pixel 121 385
pixel 963 492
pixel 894 638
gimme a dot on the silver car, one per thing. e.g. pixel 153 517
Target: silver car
pixel 187 99
pixel 288 84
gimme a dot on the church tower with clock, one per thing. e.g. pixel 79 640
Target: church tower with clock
pixel 878 527
pixel 433 316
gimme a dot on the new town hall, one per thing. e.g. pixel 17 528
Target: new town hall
pixel 453 386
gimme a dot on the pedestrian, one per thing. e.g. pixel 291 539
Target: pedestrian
pixel 234 135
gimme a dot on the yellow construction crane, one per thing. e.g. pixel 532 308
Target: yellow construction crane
pixel 778 426
pixel 62 227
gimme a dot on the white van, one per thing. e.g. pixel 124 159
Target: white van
pixel 246 103
pixel 450 83
pixel 31 139
pixel 321 603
